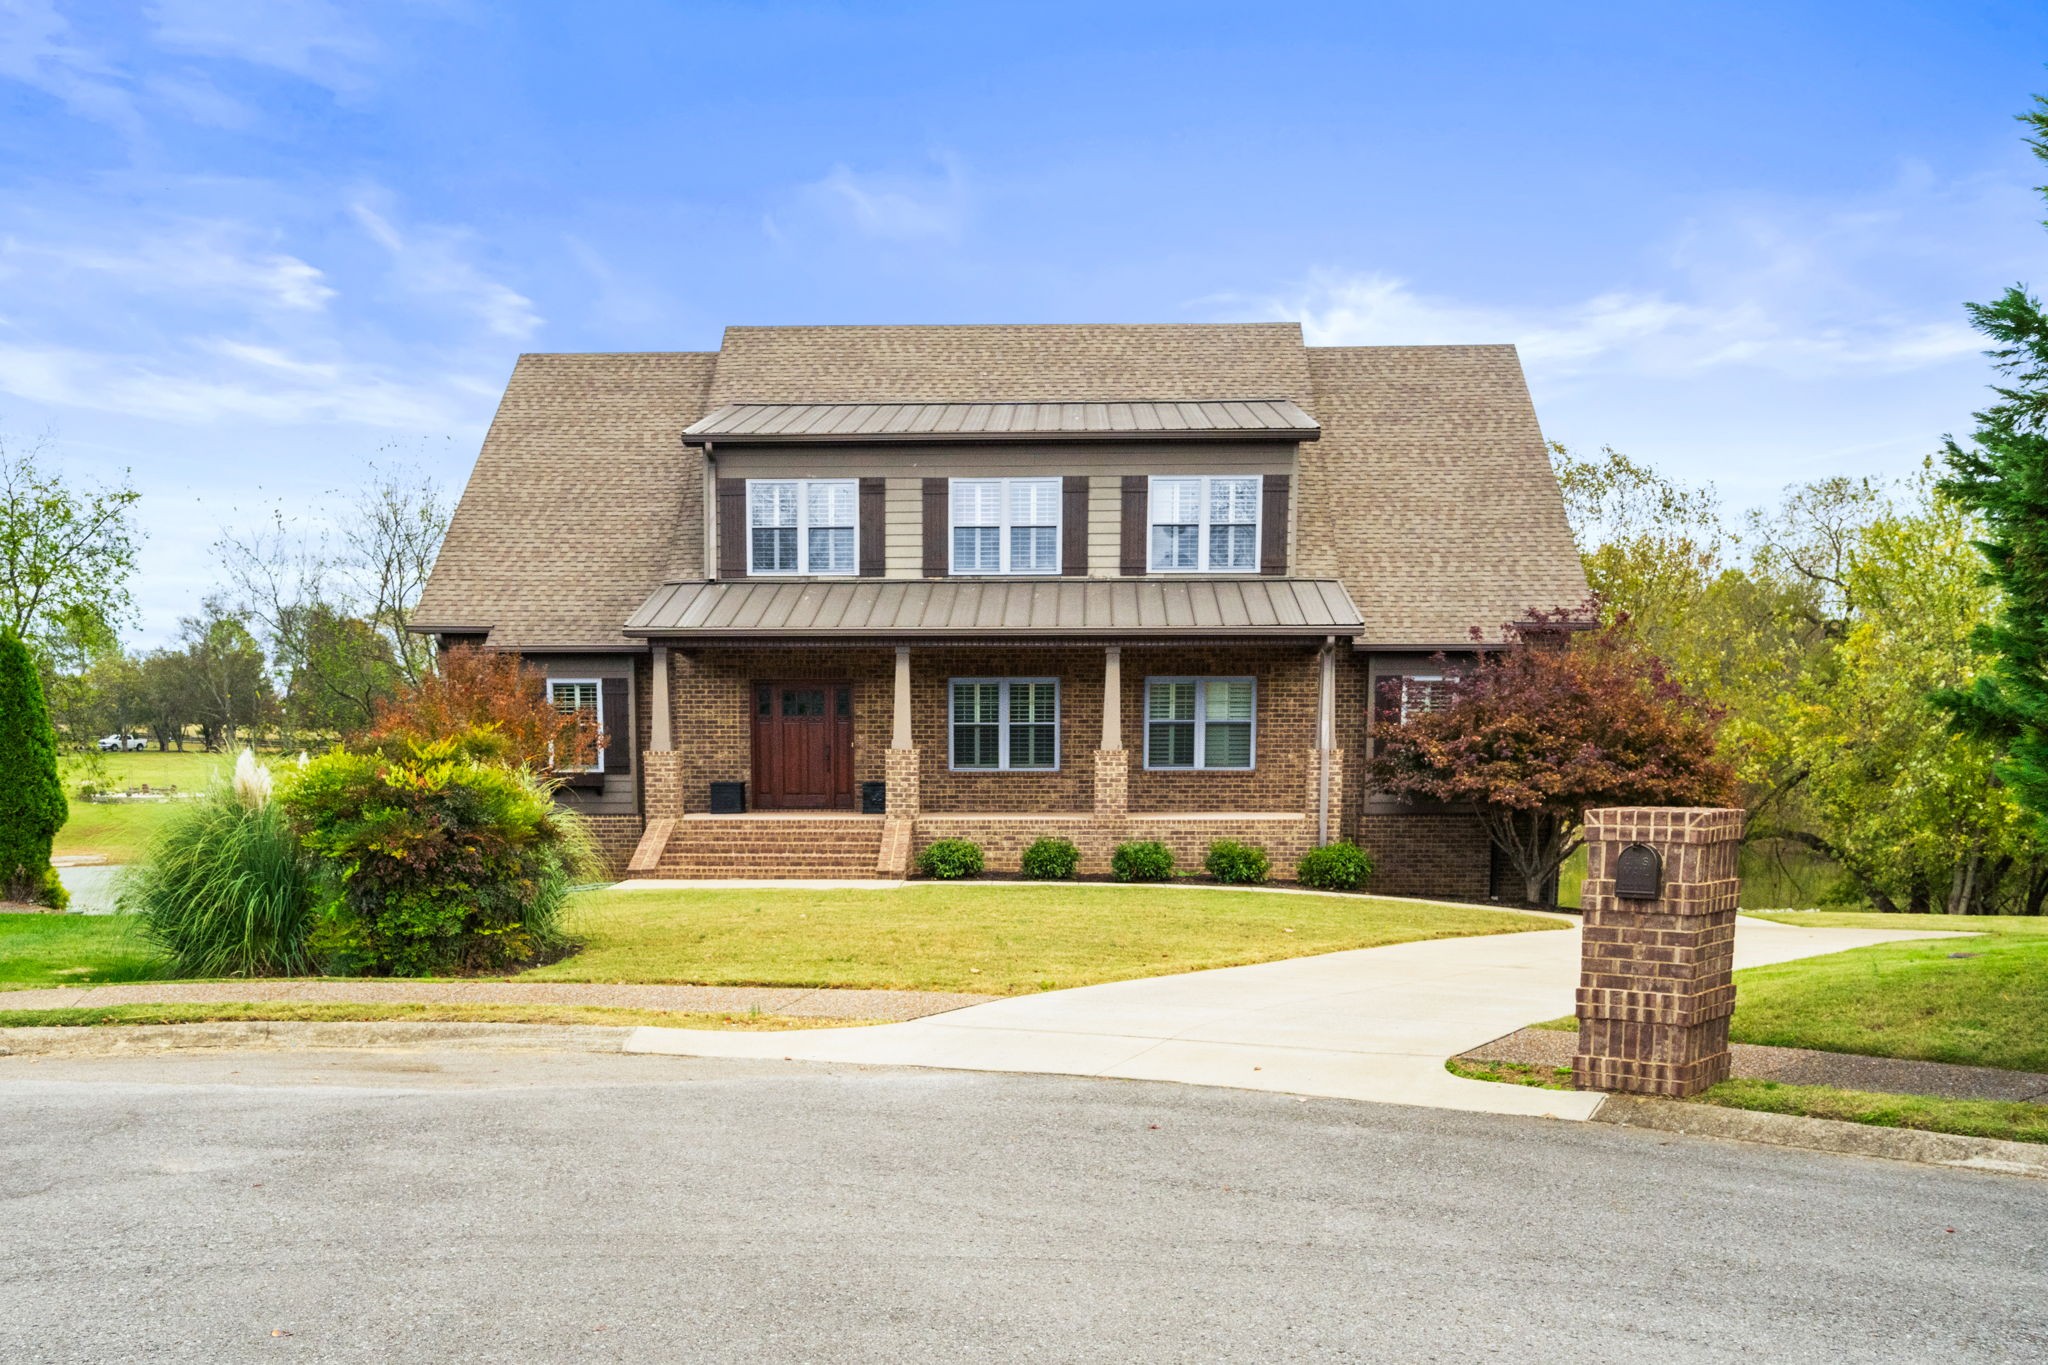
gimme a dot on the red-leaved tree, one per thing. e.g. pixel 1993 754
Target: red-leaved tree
pixel 1532 734
pixel 488 699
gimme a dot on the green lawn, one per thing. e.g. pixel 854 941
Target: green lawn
pixel 119 832
pixel 71 950
pixel 327 1013
pixel 996 940
pixel 2008 1120
pixel 1917 1000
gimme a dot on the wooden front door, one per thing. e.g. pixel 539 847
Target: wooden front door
pixel 803 746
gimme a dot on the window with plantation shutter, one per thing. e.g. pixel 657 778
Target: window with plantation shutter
pixel 1200 722
pixel 1006 526
pixel 1204 524
pixel 1004 724
pixel 802 526
pixel 571 695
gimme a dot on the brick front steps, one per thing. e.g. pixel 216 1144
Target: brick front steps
pixel 811 845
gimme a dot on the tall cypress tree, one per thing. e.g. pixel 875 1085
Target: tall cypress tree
pixel 2003 476
pixel 32 807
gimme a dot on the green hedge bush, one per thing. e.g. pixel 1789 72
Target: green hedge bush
pixel 32 806
pixel 1342 866
pixel 225 890
pixel 435 860
pixel 948 859
pixel 1238 864
pixel 1051 859
pixel 1142 861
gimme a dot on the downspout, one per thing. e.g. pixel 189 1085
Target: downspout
pixel 1326 705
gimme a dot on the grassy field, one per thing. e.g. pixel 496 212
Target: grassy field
pixel 119 832
pixel 295 1012
pixel 997 940
pixel 72 950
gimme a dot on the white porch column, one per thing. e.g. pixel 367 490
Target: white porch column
pixel 1113 698
pixel 661 707
pixel 899 734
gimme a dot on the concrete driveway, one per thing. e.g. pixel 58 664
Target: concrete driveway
pixel 1373 1024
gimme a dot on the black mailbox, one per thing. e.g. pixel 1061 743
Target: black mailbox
pixel 728 798
pixel 1638 874
pixel 874 798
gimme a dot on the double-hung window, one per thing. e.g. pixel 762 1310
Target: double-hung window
pixel 1004 724
pixel 1204 524
pixel 1006 526
pixel 1200 722
pixel 801 526
pixel 573 695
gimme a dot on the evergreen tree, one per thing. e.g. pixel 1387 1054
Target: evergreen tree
pixel 32 807
pixel 2003 477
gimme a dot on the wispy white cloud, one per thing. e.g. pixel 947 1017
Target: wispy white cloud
pixel 210 259
pixel 39 48
pixel 311 39
pixel 895 208
pixel 434 262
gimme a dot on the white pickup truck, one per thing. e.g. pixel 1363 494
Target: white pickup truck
pixel 123 744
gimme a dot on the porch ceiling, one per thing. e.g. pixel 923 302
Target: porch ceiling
pixel 869 609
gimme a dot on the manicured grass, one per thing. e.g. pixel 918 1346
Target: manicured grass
pixel 1512 1073
pixel 1919 1000
pixel 995 940
pixel 120 831
pixel 72 950
pixel 290 1011
pixel 2009 1120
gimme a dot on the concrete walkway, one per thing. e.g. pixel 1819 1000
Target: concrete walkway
pixel 1372 1024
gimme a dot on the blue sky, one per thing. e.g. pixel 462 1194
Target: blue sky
pixel 249 246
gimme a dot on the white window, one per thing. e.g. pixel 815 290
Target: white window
pixel 1207 524
pixel 570 695
pixel 1005 724
pixel 1006 526
pixel 1398 697
pixel 802 526
pixel 1200 722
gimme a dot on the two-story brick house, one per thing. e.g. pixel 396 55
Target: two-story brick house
pixel 837 592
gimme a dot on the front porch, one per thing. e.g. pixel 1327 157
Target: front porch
pixel 1102 777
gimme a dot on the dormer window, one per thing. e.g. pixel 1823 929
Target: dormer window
pixel 801 526
pixel 1006 526
pixel 1206 524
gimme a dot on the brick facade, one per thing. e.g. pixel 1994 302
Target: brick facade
pixel 616 836
pixel 1656 985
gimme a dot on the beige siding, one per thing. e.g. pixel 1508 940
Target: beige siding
pixel 1105 527
pixel 903 534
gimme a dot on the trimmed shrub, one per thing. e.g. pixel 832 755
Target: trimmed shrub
pixel 32 806
pixel 433 860
pixel 1142 861
pixel 1051 859
pixel 226 891
pixel 1239 864
pixel 1342 866
pixel 948 859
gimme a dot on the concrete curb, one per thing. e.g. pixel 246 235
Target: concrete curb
pixel 1826 1135
pixel 144 1039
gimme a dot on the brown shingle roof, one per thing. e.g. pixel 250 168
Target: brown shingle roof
pixel 1430 493
pixel 580 503
pixel 902 608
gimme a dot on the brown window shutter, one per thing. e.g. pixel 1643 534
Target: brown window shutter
pixel 937 552
pixel 732 528
pixel 1273 526
pixel 618 725
pixel 874 494
pixel 1137 508
pixel 1074 525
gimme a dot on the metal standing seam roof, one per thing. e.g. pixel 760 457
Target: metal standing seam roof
pixel 1050 607
pixel 807 422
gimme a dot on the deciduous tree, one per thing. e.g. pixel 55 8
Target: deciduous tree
pixel 476 692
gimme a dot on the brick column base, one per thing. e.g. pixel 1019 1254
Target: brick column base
pixel 661 780
pixel 1656 980
pixel 1112 784
pixel 900 767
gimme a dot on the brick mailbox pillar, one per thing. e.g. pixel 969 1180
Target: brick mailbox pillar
pixel 1656 976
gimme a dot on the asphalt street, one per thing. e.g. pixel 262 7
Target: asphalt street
pixel 451 1206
